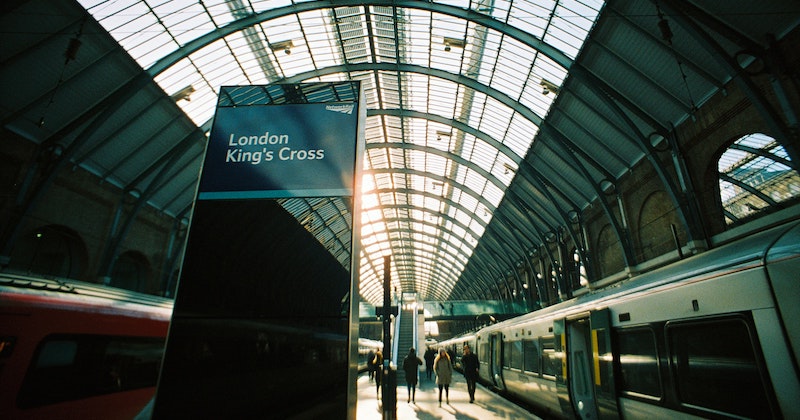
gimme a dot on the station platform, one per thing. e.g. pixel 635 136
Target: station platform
pixel 487 405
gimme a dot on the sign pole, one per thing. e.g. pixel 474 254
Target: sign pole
pixel 389 384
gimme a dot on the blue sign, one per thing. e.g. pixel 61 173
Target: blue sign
pixel 281 151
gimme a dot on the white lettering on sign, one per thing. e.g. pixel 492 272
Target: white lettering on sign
pixel 241 149
pixel 344 109
pixel 288 154
pixel 265 139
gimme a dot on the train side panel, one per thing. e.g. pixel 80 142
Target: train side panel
pixel 778 359
pixel 633 409
pixel 77 357
pixel 533 381
pixel 784 274
pixel 713 336
pixel 730 311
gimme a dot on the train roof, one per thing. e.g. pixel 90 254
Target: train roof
pixel 759 249
pixel 87 294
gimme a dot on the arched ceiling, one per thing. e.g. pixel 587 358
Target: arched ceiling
pixel 490 123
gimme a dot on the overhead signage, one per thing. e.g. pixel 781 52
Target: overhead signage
pixel 280 151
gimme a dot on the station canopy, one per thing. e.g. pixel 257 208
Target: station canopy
pixel 491 124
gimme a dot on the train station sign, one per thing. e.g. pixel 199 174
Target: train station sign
pixel 265 322
pixel 281 151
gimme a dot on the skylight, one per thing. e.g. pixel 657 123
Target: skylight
pixel 445 92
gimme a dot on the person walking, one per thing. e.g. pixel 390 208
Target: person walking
pixel 378 363
pixel 470 363
pixel 444 374
pixel 430 355
pixel 411 367
pixel 370 366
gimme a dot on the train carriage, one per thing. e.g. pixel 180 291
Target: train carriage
pixel 712 336
pixel 77 348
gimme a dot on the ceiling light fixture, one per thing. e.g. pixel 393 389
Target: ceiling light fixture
pixel 286 46
pixel 183 94
pixel 449 43
pixel 548 86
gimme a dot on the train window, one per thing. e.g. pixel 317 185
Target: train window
pixel 80 366
pixel 531 350
pixel 516 354
pixel 638 362
pixel 483 354
pixel 507 355
pixel 57 353
pixel 456 352
pixel 716 367
pixel 551 362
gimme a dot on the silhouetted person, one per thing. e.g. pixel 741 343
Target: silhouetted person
pixel 370 365
pixel 378 363
pixel 430 355
pixel 411 366
pixel 444 374
pixel 470 363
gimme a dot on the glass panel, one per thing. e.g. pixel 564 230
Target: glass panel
pixel 507 349
pixel 755 176
pixel 551 362
pixel 224 44
pixel 638 362
pixel 516 354
pixel 483 355
pixel 531 349
pixel 71 367
pixel 716 367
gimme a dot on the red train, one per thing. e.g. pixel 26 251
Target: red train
pixel 77 350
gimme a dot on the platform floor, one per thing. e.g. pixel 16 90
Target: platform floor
pixel 487 405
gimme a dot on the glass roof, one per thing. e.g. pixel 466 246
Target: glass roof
pixel 454 99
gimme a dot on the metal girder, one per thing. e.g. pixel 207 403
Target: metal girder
pixel 540 236
pixel 501 255
pixel 687 213
pixel 651 85
pixel 542 186
pixel 482 266
pixel 436 177
pixel 595 82
pixel 439 152
pixel 567 223
pixel 622 236
pixel 413 68
pixel 568 147
pixel 657 41
pixel 192 46
pixel 688 16
pixel 406 113
pixel 112 103
pixel 117 236
pixel 763 153
pixel 436 226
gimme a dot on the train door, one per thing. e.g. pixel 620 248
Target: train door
pixel 576 382
pixel 496 360
pixel 603 365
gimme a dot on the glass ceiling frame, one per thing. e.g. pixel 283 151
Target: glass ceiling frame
pixel 453 91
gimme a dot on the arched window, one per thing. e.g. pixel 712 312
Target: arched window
pixel 755 177
pixel 555 292
pixel 51 251
pixel 132 272
pixel 656 219
pixel 609 252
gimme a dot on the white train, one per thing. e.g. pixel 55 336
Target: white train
pixel 716 335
